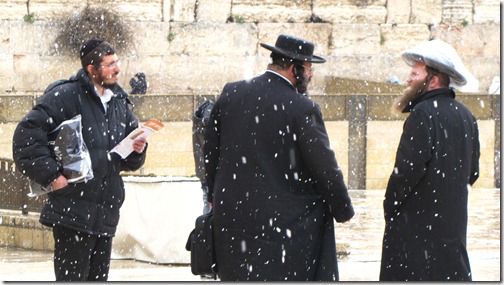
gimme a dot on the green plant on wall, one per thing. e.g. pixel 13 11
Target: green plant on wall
pixel 171 37
pixel 382 39
pixel 465 23
pixel 240 20
pixel 29 18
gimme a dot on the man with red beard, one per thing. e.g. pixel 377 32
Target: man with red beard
pixel 437 160
pixel 83 216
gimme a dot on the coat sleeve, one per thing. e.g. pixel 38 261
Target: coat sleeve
pixel 321 161
pixel 475 155
pixel 211 148
pixel 30 147
pixel 135 160
pixel 413 155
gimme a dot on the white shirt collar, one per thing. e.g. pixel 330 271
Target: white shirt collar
pixel 107 96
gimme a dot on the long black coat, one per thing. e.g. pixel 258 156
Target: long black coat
pixel 91 207
pixel 426 198
pixel 275 182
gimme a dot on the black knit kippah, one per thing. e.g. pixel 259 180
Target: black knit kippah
pixel 89 46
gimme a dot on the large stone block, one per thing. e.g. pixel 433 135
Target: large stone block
pixel 374 13
pixel 133 10
pixel 6 73
pixel 216 11
pixel 487 11
pixel 182 10
pixel 457 11
pixel 398 11
pixel 355 39
pixel 213 39
pixel 208 74
pixel 13 9
pixel 149 39
pixel 426 11
pixel 33 39
pixel 318 33
pixel 271 11
pixel 49 10
pixel 398 38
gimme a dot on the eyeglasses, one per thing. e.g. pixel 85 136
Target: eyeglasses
pixel 113 64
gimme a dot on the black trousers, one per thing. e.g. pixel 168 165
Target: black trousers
pixel 79 256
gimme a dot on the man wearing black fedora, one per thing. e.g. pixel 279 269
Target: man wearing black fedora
pixel 273 180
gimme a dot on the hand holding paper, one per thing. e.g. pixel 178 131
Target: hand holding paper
pixel 126 146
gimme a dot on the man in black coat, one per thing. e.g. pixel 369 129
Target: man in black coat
pixel 436 162
pixel 275 182
pixel 84 215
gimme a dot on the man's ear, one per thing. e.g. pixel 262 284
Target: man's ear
pixel 90 70
pixel 434 82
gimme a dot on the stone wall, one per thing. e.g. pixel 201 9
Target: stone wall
pixel 190 48
pixel 199 45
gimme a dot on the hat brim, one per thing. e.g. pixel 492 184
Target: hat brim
pixel 313 58
pixel 411 58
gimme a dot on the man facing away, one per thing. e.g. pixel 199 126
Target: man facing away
pixel 83 216
pixel 272 177
pixel 425 202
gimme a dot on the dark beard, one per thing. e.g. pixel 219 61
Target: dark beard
pixel 409 95
pixel 108 86
pixel 302 85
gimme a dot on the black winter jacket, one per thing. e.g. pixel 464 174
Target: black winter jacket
pixel 91 207
pixel 425 202
pixel 275 182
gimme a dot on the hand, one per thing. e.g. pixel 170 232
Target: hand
pixel 59 183
pixel 139 145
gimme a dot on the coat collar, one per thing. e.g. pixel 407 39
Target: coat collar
pixel 447 92
pixel 271 73
pixel 84 78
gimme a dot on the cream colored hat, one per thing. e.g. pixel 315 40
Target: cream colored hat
pixel 443 57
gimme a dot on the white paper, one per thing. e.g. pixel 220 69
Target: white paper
pixel 125 147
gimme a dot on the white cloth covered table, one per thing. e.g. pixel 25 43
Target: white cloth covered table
pixel 156 218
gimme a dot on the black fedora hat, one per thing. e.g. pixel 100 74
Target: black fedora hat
pixel 295 48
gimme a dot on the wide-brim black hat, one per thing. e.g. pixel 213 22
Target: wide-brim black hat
pixel 295 48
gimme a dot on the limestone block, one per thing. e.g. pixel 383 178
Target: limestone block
pixel 5 40
pixel 475 40
pixel 209 74
pixel 133 10
pixel 24 65
pixel 487 11
pixel 13 9
pixel 6 73
pixel 375 13
pixel 150 38
pixel 48 10
pixel 398 38
pixel 378 68
pixel 318 33
pixel 356 39
pixel 183 10
pixel 457 11
pixel 484 69
pixel 271 11
pixel 426 11
pixel 398 11
pixel 154 68
pixel 33 39
pixel 216 11
pixel 213 39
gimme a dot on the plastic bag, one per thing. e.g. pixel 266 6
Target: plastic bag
pixel 71 153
